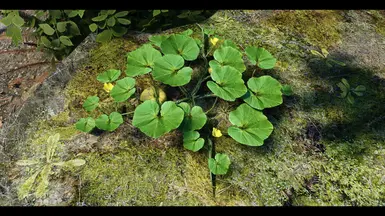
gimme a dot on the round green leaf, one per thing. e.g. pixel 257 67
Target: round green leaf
pixel 111 21
pixel 61 26
pixel 191 141
pixel 220 164
pixel 91 103
pixel 48 30
pixel 124 21
pixel 261 57
pixel 228 56
pixel 155 122
pixel 66 40
pixel 157 39
pixel 265 92
pixel 194 119
pixel 180 45
pixel 123 89
pixel 141 61
pixel 228 83
pixel 187 32
pixel 109 123
pixel 119 31
pixel 85 124
pixel 230 43
pixel 109 76
pixel 251 127
pixel 167 69
pixel 93 27
pixel 104 36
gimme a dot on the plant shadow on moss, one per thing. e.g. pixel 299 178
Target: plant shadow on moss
pixel 355 119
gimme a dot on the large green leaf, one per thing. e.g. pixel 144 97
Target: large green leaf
pixel 265 92
pixel 109 76
pixel 91 103
pixel 227 56
pixel 66 40
pixel 18 21
pixel 141 61
pixel 191 141
pixel 109 123
pixel 85 124
pixel 155 121
pixel 220 164
pixel 168 69
pixel 251 127
pixel 123 89
pixel 157 39
pixel 194 119
pixel 14 32
pixel 261 57
pixel 181 45
pixel 228 83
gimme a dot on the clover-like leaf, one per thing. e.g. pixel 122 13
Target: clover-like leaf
pixel 109 76
pixel 91 103
pixel 265 92
pixel 192 141
pixel 228 83
pixel 194 119
pixel 168 69
pixel 180 45
pixel 141 61
pixel 220 164
pixel 85 124
pixel 250 127
pixel 155 121
pixel 123 89
pixel 261 57
pixel 227 56
pixel 109 123
pixel 287 90
pixel 157 39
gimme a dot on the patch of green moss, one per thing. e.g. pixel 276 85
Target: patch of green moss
pixel 146 175
pixel 318 27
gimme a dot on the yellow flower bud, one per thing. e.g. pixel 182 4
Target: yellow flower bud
pixel 216 133
pixel 108 87
pixel 210 70
pixel 214 40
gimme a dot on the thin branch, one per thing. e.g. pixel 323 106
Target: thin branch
pixel 30 65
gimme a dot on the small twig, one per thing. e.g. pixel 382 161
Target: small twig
pixel 30 65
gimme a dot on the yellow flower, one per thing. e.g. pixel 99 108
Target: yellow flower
pixel 216 133
pixel 210 70
pixel 107 87
pixel 214 40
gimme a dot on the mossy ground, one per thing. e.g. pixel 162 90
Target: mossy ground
pixel 323 151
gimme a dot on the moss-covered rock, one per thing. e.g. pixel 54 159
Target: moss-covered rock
pixel 323 151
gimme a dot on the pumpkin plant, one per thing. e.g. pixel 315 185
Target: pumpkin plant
pixel 166 59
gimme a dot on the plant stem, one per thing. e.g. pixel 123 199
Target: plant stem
pixel 206 96
pixel 181 100
pixel 252 75
pixel 155 89
pixel 212 105
pixel 184 91
pixel 212 155
pixel 127 113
